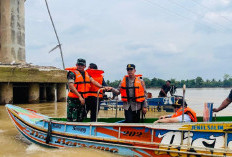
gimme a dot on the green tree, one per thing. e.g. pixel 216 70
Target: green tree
pixel 226 76
pixel 147 82
pixel 199 82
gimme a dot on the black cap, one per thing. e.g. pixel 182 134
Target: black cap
pixel 169 81
pixel 130 66
pixel 179 103
pixel 92 66
pixel 81 61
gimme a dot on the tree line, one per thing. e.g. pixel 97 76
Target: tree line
pixel 198 82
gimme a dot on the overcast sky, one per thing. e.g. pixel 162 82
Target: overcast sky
pixel 179 39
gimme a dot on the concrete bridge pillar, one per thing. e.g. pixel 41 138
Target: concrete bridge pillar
pixel 61 92
pixel 51 92
pixel 12 31
pixel 33 93
pixel 6 93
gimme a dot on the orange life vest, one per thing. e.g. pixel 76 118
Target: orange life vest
pixel 80 84
pixel 97 76
pixel 187 110
pixel 139 93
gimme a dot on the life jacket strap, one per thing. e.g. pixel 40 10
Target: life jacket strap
pixel 129 87
pixel 82 82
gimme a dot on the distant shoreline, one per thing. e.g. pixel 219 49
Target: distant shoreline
pixel 188 87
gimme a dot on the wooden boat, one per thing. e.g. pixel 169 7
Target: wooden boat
pixel 142 139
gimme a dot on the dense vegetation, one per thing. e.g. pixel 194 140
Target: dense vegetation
pixel 192 83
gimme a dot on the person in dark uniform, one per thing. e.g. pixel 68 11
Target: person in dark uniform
pixel 225 103
pixel 165 89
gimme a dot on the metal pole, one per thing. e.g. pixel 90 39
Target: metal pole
pixel 98 101
pixel 61 52
pixel 116 114
pixel 184 87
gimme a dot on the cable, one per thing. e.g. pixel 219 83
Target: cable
pixel 59 44
pixel 195 13
pixel 167 10
pixel 177 14
pixel 207 8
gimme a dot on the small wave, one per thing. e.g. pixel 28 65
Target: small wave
pixel 34 148
pixel 22 138
pixel 1 131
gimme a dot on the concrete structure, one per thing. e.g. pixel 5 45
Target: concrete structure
pixel 31 84
pixel 12 31
pixel 21 82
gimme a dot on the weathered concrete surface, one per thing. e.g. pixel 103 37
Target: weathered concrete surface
pixel 61 92
pixel 12 31
pixel 34 74
pixel 51 92
pixel 33 96
pixel 43 94
pixel 6 94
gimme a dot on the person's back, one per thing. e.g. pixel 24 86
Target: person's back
pixel 91 101
pixel 165 89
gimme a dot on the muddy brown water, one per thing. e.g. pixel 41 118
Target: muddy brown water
pixel 12 143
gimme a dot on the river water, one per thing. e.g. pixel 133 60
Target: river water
pixel 12 143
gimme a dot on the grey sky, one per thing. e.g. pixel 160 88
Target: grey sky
pixel 179 39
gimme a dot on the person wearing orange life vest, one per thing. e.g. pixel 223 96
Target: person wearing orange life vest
pixel 91 101
pixel 189 114
pixel 133 95
pixel 79 85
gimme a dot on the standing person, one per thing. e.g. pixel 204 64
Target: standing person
pixel 79 86
pixel 165 89
pixel 132 89
pixel 189 114
pixel 91 101
pixel 225 103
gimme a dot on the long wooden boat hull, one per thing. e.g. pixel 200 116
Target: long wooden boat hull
pixel 146 139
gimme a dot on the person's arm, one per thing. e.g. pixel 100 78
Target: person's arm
pixel 145 104
pixel 99 85
pixel 117 91
pixel 71 80
pixel 224 104
pixel 167 120
pixel 95 83
pixel 163 92
pixel 166 116
pixel 74 90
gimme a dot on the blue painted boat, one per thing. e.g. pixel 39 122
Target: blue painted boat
pixel 164 102
pixel 140 139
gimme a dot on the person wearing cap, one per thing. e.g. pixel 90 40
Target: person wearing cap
pixel 133 95
pixel 79 86
pixel 225 103
pixel 91 101
pixel 189 114
pixel 165 89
